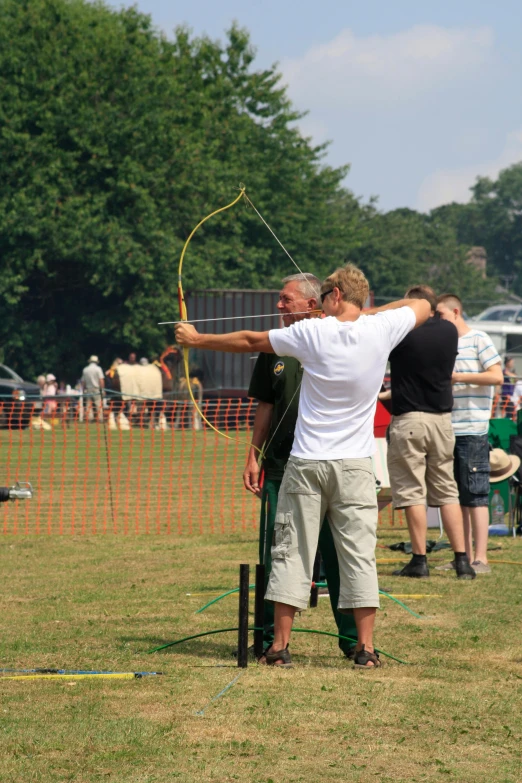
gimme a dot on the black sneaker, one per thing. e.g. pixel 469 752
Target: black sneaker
pixel 464 569
pixel 414 570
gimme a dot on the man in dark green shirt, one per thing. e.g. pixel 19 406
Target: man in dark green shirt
pixel 275 384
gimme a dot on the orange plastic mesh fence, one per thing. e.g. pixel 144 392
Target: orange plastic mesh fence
pixel 504 407
pixel 134 466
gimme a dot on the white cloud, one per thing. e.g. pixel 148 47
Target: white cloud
pixel 447 185
pixel 311 126
pixel 384 69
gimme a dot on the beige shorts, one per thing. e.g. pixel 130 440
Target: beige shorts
pixel 344 490
pixel 420 460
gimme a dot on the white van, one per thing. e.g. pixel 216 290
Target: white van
pixel 506 337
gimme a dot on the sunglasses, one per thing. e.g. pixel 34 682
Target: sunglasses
pixel 323 296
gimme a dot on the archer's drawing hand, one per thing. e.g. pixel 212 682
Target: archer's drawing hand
pixel 186 334
pixel 251 477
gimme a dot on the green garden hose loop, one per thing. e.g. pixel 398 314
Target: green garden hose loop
pixel 294 630
pixel 318 584
pixel 418 616
pixel 188 638
pixel 215 600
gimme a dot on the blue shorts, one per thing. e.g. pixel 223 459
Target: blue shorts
pixel 471 467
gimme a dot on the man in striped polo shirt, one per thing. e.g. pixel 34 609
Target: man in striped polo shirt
pixel 477 370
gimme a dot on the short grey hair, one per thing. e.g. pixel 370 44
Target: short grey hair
pixel 310 285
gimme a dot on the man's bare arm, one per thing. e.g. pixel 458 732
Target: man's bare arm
pixel 234 342
pixel 490 377
pixel 420 307
pixel 262 422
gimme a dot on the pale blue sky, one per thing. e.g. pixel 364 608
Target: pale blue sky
pixel 418 97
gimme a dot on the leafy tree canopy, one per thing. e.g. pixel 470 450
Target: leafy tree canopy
pixel 405 248
pixel 115 141
pixel 492 219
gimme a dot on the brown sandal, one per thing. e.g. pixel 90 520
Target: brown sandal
pixel 363 657
pixel 279 655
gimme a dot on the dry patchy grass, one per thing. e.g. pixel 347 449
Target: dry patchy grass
pixel 103 602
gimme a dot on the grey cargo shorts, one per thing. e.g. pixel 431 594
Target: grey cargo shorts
pixel 344 490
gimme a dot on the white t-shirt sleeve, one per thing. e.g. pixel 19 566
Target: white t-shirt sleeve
pixel 486 351
pixel 291 340
pixel 398 324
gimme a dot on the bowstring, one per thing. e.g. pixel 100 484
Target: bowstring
pixel 260 216
pixel 266 446
pixel 184 317
pixel 183 314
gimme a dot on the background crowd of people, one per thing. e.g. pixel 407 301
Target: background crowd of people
pixel 130 392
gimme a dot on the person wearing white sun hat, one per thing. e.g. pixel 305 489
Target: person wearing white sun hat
pixel 93 383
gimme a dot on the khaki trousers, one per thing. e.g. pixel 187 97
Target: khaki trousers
pixel 344 491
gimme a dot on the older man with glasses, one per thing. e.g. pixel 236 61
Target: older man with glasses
pixel 329 472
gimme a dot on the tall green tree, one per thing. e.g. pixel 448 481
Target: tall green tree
pixel 405 247
pixel 493 220
pixel 114 142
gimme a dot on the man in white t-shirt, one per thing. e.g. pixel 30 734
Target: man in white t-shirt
pixel 329 472
pixel 477 370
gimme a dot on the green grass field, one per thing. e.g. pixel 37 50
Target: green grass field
pixel 102 602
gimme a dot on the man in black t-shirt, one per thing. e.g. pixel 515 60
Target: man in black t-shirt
pixel 276 383
pixel 421 439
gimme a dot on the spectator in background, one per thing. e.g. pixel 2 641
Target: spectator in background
pixel 132 359
pixel 517 396
pixel 49 390
pixel 18 412
pixel 93 384
pixel 37 421
pixel 111 376
pixel 117 405
pixel 508 387
pixel 420 452
pixel 477 371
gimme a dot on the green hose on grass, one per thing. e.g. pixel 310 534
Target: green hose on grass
pixel 224 595
pixel 317 584
pixel 294 630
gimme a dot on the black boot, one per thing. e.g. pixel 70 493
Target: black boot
pixel 463 567
pixel 417 568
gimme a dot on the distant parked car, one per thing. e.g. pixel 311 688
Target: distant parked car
pixel 15 408
pixel 10 380
pixel 510 313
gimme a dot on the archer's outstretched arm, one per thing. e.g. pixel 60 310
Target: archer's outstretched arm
pixel 234 342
